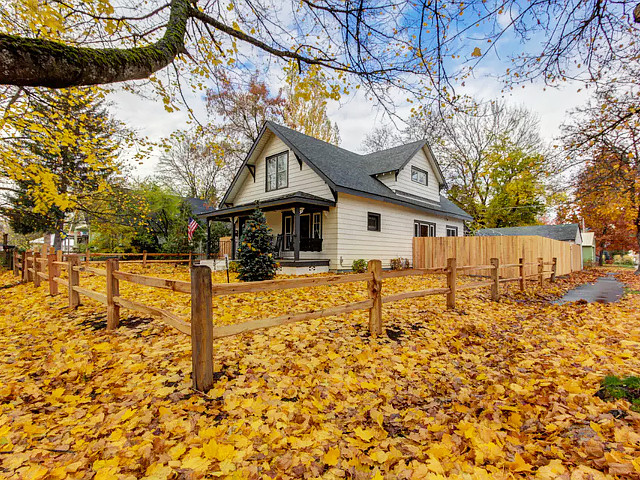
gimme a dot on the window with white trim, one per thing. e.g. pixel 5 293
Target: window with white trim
pixel 424 229
pixel 452 231
pixel 317 225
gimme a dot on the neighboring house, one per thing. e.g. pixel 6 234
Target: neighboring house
pixel 74 237
pixel 569 232
pixel 328 206
pixel 198 206
pixel 588 247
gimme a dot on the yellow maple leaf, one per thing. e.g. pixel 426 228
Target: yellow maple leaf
pixel 332 456
pixel 218 451
pixel 519 465
pixel 551 471
pixel 158 471
pixel 197 464
pixel 107 473
pixel 365 434
pixel 476 52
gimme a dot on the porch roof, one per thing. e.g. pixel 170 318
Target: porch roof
pixel 299 199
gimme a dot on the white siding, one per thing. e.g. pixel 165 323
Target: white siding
pixel 405 184
pixel 300 180
pixel 395 238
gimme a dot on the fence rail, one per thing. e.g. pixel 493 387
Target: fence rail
pixel 45 266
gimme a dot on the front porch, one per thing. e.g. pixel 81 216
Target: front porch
pixel 297 222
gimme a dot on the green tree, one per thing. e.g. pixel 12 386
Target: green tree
pixel 493 159
pixel 178 238
pixel 516 179
pixel 255 254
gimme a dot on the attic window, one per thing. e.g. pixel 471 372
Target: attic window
pixel 419 176
pixel 277 171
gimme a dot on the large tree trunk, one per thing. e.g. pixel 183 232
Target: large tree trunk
pixel 57 238
pixel 43 63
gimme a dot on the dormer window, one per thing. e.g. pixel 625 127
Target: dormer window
pixel 277 171
pixel 419 176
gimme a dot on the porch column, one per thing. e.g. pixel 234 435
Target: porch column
pixel 296 237
pixel 233 238
pixel 208 238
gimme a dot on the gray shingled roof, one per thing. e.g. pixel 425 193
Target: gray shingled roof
pixel 564 233
pixel 354 173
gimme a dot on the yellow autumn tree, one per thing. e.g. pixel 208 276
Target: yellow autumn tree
pixel 307 95
pixel 60 154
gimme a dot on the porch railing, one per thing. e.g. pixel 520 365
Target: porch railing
pixel 285 242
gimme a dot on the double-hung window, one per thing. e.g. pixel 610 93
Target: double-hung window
pixel 316 225
pixel 452 231
pixel 277 171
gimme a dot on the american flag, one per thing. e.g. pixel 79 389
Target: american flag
pixel 193 225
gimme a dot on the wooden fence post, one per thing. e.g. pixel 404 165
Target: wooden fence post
pixel 16 272
pixel 144 259
pixel 113 290
pixel 59 255
pixel 36 269
pixel 375 293
pixel 451 283
pixel 23 266
pixel 522 280
pixel 74 280
pixel 540 270
pixel 495 276
pixel 25 272
pixel 201 328
pixel 53 272
pixel 554 268
pixel 87 257
pixel 190 261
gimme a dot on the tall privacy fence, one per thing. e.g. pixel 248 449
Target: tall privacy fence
pixel 54 270
pixel 432 252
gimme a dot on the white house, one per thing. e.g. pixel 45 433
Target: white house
pixel 328 206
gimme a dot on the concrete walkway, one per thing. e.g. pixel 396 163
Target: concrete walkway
pixel 605 290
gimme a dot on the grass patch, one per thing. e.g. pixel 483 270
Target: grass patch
pixel 631 291
pixel 615 388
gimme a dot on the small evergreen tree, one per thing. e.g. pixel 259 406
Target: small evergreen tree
pixel 255 254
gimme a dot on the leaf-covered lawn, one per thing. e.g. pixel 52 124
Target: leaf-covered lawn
pixel 491 390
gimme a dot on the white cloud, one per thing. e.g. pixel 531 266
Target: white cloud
pixel 148 118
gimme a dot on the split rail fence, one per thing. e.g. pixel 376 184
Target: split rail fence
pixel 144 257
pixel 46 267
